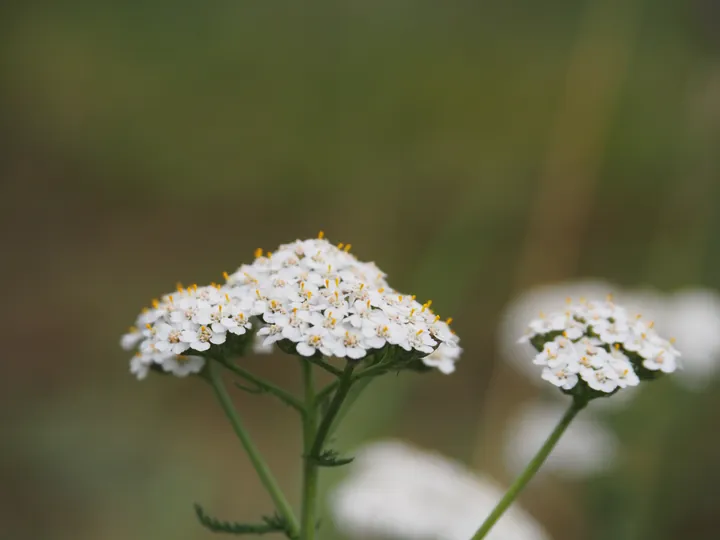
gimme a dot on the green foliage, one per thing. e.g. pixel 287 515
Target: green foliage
pixel 270 524
pixel 331 458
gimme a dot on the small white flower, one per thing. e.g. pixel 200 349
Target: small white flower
pixel 316 339
pixel 169 339
pixel 182 365
pixel 130 340
pixel 603 379
pixel 663 360
pixel 420 340
pixel 140 366
pixel 564 377
pixel 443 358
pixel 202 338
pixel 273 333
pixel 350 343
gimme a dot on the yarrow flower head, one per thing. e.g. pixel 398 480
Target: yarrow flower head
pixel 594 348
pixel 309 297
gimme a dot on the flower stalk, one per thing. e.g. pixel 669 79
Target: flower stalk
pixel 263 471
pixel 532 468
pixel 310 468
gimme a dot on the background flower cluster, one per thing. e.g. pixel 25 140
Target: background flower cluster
pixel 600 344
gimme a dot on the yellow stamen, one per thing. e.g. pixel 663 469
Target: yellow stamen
pixel 413 297
pixel 258 253
pixel 194 286
pixel 337 281
pixel 269 255
pixel 381 290
pixel 170 297
pixel 429 303
pixel 257 292
pixel 651 324
pixel 368 304
pixel 400 298
pixel 565 333
pixel 294 310
pixel 227 297
pixel 340 245
pixel 362 286
pixel 568 300
pixel 179 287
pixel 617 346
pixel 437 318
pixel 347 248
pixel 148 326
pixel 220 308
pixel 449 320
pixel 412 311
pixel 155 303
pixel 327 283
pixel 419 332
pixel 309 294
pixel 226 276
pixel 144 310
pixel 321 235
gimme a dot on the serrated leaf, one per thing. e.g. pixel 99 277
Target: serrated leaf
pixel 271 524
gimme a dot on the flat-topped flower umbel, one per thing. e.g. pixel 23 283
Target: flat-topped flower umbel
pixel 315 297
pixel 325 309
pixel 595 348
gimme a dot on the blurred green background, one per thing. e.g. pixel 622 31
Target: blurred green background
pixel 472 149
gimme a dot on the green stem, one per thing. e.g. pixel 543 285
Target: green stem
pixel 346 380
pixel 368 372
pixel 530 470
pixel 327 367
pixel 267 386
pixel 310 469
pixel 266 477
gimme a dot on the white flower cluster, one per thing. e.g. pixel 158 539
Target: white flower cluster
pixel 310 292
pixel 398 491
pixel 599 343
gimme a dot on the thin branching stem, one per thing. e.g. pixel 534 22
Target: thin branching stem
pixel 267 386
pixel 263 471
pixel 310 467
pixel 343 388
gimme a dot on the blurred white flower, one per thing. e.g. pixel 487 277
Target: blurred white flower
pixel 586 448
pixel 397 491
pixel 693 318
